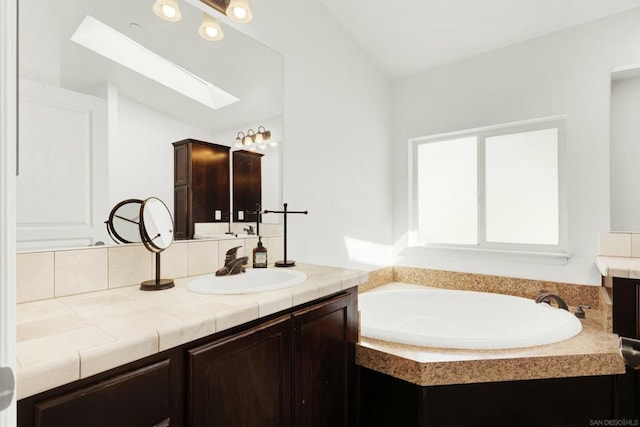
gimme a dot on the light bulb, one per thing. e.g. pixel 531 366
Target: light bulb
pixel 240 12
pixel 211 32
pixel 210 28
pixel 168 11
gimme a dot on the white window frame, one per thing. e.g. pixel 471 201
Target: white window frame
pixel 559 250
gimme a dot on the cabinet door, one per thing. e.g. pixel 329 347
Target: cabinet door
pixel 181 219
pixel 324 363
pixel 181 165
pixel 247 184
pixel 244 380
pixel 626 322
pixel 142 397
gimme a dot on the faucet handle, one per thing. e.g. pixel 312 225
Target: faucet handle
pixel 580 314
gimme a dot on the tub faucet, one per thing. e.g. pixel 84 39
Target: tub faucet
pixel 547 297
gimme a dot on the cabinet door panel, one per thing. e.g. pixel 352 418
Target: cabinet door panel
pixel 138 398
pixel 244 380
pixel 181 212
pixel 323 360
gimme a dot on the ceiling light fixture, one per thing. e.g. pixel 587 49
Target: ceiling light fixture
pixel 239 11
pixel 253 139
pixel 236 10
pixel 167 10
pixel 210 28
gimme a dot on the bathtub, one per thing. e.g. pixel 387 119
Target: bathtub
pixel 462 319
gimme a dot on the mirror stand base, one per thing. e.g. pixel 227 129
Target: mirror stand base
pixel 285 263
pixel 156 285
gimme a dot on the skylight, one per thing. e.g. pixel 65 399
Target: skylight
pixel 108 42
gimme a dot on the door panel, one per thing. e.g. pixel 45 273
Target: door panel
pixel 61 209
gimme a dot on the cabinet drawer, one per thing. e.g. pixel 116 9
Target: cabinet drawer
pixel 137 398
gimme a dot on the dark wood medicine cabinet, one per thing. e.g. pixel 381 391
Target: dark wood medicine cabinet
pixel 247 185
pixel 202 185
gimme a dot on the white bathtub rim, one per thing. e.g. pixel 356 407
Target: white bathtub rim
pixel 566 327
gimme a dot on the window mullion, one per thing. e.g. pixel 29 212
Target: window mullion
pixel 482 234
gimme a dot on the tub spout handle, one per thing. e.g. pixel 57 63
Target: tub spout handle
pixel 547 297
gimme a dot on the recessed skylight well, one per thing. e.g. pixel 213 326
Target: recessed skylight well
pixel 110 43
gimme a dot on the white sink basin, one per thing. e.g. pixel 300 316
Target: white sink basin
pixel 254 280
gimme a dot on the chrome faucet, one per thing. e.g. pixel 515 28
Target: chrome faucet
pixel 547 297
pixel 232 264
pixel 249 229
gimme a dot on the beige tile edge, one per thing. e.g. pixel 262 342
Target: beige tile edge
pixel 36 378
pixel 185 332
pixel 111 355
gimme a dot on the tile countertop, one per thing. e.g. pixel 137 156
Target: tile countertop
pixel 64 339
pixel 591 352
pixel 617 266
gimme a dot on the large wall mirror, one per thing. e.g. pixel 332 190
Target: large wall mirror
pixel 93 131
pixel 625 148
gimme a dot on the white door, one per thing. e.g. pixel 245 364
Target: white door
pixel 8 114
pixel 62 180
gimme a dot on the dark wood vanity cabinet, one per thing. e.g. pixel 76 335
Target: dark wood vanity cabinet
pixel 247 184
pixel 293 368
pixel 201 184
pixel 144 393
pixel 626 323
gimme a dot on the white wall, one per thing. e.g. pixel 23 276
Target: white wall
pixel 141 155
pixel 336 136
pixel 625 154
pixel 562 73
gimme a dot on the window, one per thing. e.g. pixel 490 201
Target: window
pixel 492 188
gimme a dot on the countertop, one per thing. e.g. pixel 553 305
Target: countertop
pixel 64 339
pixel 591 352
pixel 618 266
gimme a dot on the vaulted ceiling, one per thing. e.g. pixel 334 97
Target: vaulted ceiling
pixel 404 37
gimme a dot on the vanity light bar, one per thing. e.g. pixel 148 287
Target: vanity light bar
pixel 112 44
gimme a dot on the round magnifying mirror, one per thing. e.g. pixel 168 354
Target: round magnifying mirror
pixel 156 230
pixel 156 225
pixel 123 224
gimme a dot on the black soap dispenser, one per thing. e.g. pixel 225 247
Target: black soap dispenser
pixel 260 255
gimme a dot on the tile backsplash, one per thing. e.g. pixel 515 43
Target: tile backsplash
pixel 620 244
pixel 56 273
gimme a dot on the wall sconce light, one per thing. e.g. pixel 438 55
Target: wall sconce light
pixel 250 138
pixel 239 139
pixel 254 139
pixel 167 10
pixel 239 11
pixel 210 28
pixel 262 135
